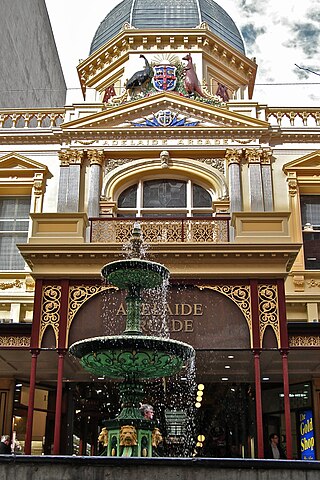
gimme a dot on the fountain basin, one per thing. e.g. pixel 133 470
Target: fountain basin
pixel 132 356
pixel 135 272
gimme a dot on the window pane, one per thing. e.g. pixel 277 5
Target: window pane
pixel 14 223
pixel 201 198
pixel 128 198
pixel 10 258
pixel 310 209
pixel 165 194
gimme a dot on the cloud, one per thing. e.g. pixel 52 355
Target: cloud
pixel 305 36
pixel 250 33
pixel 252 6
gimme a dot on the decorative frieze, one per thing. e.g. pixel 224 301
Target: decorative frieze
pixel 15 341
pixel 304 341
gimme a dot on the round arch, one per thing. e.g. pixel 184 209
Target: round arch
pixel 146 168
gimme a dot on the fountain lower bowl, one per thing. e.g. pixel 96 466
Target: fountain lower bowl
pixel 135 272
pixel 132 356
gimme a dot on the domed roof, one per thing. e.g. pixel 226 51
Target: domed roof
pixel 168 14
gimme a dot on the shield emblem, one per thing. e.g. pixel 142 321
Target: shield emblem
pixel 164 77
pixel 165 118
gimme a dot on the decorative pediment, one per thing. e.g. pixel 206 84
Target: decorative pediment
pixel 307 165
pixel 166 110
pixel 22 166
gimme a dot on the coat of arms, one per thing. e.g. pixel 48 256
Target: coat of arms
pixel 164 78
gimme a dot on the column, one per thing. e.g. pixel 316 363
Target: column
pixel 267 183
pixel 259 420
pixel 73 193
pixel 63 181
pixel 57 420
pixel 286 391
pixel 32 388
pixel 96 158
pixel 255 179
pixel 234 158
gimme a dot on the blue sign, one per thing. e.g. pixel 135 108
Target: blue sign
pixel 307 441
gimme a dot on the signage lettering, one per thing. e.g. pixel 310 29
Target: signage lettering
pixel 169 142
pixel 307 442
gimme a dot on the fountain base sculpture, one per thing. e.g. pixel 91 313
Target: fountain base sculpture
pixel 132 357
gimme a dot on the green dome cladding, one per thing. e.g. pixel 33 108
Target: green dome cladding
pixel 168 14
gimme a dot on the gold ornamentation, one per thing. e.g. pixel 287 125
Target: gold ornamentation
pixel 8 285
pixel 103 437
pixel 96 157
pixel 266 155
pixel 50 311
pixel 16 342
pixel 240 295
pixel 298 283
pixel 75 157
pixel 156 437
pixel 233 155
pixel 128 436
pixel 313 283
pixel 30 284
pixel 80 294
pixel 292 186
pixel 38 187
pixel 64 158
pixel 162 231
pixel 268 310
pixel 112 163
pixel 253 155
pixel 304 341
pixel 217 163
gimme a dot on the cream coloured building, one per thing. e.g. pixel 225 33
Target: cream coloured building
pixel 226 192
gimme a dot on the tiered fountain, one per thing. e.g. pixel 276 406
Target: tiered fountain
pixel 132 357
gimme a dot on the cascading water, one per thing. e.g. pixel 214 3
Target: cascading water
pixel 133 357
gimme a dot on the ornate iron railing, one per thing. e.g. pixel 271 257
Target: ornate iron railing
pixel 161 230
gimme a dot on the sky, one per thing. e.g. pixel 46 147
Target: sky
pixel 282 35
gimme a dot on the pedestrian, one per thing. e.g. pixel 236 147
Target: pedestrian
pixel 274 449
pixel 5 445
pixel 147 411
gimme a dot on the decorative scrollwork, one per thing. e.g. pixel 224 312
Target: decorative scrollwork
pixel 268 310
pixel 50 312
pixel 304 341
pixel 78 295
pixel 15 342
pixel 240 295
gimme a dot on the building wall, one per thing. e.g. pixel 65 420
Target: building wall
pixel 30 72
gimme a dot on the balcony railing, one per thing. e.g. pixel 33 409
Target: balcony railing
pixel 161 230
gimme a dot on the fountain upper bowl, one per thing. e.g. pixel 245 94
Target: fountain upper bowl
pixel 135 273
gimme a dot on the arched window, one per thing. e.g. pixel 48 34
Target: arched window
pixel 165 197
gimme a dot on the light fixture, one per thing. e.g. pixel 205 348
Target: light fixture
pixel 265 378
pixel 201 438
pixel 224 379
pixel 200 393
pixel 199 399
pixel 230 356
pixel 200 386
pixel 227 366
pixel 198 405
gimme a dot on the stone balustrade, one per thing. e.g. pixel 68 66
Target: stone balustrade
pixel 31 118
pixel 297 117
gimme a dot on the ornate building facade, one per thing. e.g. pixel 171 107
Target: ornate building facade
pixel 226 192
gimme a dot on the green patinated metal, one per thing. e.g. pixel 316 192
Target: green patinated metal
pixel 132 356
